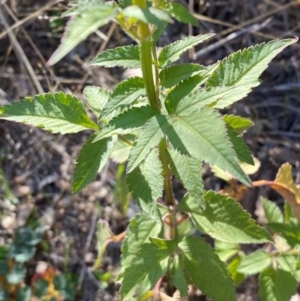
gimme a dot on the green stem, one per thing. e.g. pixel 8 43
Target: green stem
pixel 167 175
pixel 146 63
pixel 147 56
pixel 163 152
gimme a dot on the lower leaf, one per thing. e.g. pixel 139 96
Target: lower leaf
pixel 225 220
pixel 206 270
pixel 276 285
pixel 150 263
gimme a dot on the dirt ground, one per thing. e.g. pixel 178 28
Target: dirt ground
pixel 36 167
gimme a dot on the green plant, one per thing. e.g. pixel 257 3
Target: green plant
pixel 277 264
pixel 166 123
pixel 13 261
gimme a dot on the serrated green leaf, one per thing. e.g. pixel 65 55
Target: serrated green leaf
pixel 150 263
pixel 180 91
pixel 236 276
pixel 205 268
pixel 149 136
pixel 148 15
pixel 243 68
pixel 195 135
pixel 23 294
pixel 146 184
pixel 173 51
pixel 82 25
pixel 196 100
pixel 126 92
pixel 255 263
pixel 124 56
pixel 173 75
pixel 96 98
pixel 180 13
pixel 178 276
pixel 241 149
pixel 140 229
pixel 290 231
pixel 238 123
pixel 16 274
pixel 272 212
pixel 189 172
pixel 225 220
pixel 91 159
pixel 124 123
pixel 288 262
pixel 276 285
pixel 54 112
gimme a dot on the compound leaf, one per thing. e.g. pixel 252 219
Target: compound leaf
pixel 96 98
pixel 173 51
pixel 54 112
pixel 126 122
pixel 255 263
pixel 189 171
pixel 124 56
pixel 195 135
pixel 91 159
pixel 146 184
pixel 243 68
pixel 149 264
pixel 276 285
pixel 127 92
pixel 140 229
pixel 272 212
pixel 204 268
pixel 82 25
pixel 149 136
pixel 225 220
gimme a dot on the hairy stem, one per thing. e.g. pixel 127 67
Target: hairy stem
pixel 148 56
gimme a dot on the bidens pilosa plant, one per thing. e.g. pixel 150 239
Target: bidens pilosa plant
pixel 164 124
